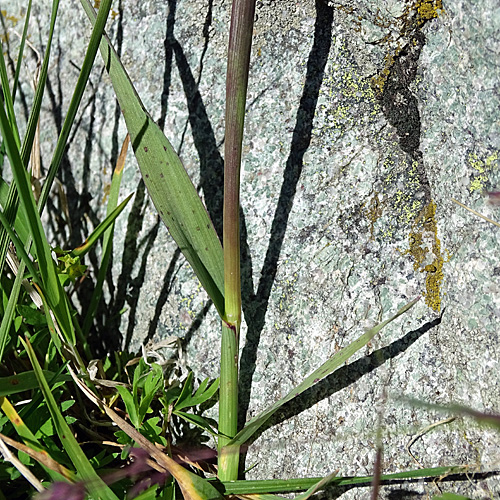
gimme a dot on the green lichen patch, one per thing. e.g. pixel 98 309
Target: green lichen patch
pixel 346 99
pixel 403 192
pixel 481 165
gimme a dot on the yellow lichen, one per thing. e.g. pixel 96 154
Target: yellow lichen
pixel 416 250
pixel 413 17
pixel 425 229
pixel 479 181
pixel 378 81
pixel 106 191
pixel 13 19
pixel 428 9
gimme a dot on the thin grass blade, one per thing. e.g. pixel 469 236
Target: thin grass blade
pixel 26 381
pixel 325 369
pixel 8 456
pixel 12 202
pixel 487 219
pixel 20 224
pixel 55 294
pixel 81 84
pixel 450 496
pixel 84 468
pixel 320 485
pixel 35 449
pixel 21 252
pixel 57 471
pixel 22 44
pixel 100 229
pixel 107 241
pixel 52 287
pixel 247 486
pixel 9 312
pixel 487 418
pixel 12 198
pixel 7 99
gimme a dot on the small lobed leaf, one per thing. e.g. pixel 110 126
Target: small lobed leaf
pixel 200 396
pixel 31 316
pixel 186 392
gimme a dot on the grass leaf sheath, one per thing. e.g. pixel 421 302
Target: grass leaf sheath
pixel 238 63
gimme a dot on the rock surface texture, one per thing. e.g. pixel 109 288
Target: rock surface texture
pixel 363 120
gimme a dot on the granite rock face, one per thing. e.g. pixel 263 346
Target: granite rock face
pixel 364 120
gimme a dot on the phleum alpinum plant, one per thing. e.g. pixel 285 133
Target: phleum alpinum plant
pixel 73 427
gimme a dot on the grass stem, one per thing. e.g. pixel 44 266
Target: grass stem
pixel 238 62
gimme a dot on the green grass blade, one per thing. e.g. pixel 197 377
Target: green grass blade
pixel 450 496
pixel 86 472
pixel 25 381
pixel 81 84
pixel 99 230
pixel 10 310
pixel 319 485
pixel 107 241
pixel 486 418
pixel 300 484
pixel 168 184
pixel 196 420
pixel 40 89
pixel 20 224
pixel 30 439
pixel 7 99
pixel 21 50
pixel 325 369
pixel 149 494
pixel 11 207
pixel 21 252
pixel 54 292
pixel 67 350
pixel 37 399
pixel 11 204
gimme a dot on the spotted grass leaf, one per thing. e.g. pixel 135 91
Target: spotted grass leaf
pixel 168 183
